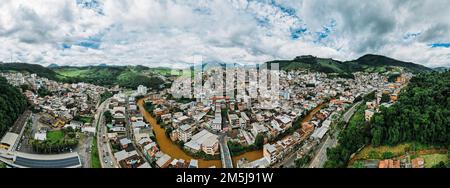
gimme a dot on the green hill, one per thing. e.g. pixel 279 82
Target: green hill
pixel 124 76
pixel 368 63
pixel 441 69
pixel 31 68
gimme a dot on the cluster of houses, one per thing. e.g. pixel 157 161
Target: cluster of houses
pixel 401 162
pixel 62 106
pixel 139 150
pixel 125 114
pixel 244 118
pixel 341 94
pixel 390 89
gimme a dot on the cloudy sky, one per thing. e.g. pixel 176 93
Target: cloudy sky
pixel 171 32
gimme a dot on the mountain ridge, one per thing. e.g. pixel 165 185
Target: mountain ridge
pixel 368 63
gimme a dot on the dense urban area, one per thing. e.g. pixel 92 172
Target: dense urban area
pixel 388 117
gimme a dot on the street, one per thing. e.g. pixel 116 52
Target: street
pixel 104 149
pixel 330 141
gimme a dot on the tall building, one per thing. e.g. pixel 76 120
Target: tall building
pixel 141 90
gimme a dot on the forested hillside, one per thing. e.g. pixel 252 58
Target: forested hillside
pixel 124 76
pixel 367 63
pixel 12 105
pixel 422 114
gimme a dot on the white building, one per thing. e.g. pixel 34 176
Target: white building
pixel 270 153
pixel 40 136
pixel 184 133
pixel 141 90
pixel 204 141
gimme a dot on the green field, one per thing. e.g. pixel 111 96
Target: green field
pixel 72 72
pixel 370 152
pixel 85 119
pixel 124 76
pixel 433 159
pixel 55 136
pixel 95 158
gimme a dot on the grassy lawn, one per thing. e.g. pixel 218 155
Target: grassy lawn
pixel 95 161
pixel 368 151
pixel 55 136
pixel 86 119
pixel 72 72
pixel 433 159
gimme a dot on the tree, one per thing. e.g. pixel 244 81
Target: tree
pixel 12 104
pixel 25 87
pixel 105 95
pixel 259 141
pixel 373 155
pixel 330 164
pixel 108 116
pixel 440 165
pixel 169 130
pixel 42 92
pixel 385 98
pixel 301 162
pixel 358 164
pixel 388 155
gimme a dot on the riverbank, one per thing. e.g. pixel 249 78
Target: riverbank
pixel 167 146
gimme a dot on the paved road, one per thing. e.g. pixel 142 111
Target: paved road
pixel 321 155
pixel 104 149
pixel 225 155
pixel 330 141
pixel 350 112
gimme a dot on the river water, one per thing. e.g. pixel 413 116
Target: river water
pixel 167 146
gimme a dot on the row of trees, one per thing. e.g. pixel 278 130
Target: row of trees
pixel 54 147
pixel 422 114
pixel 12 105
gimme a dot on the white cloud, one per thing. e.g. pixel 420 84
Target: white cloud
pixel 166 33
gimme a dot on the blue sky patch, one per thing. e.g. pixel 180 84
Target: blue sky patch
pixel 66 46
pixel 297 33
pixel 440 45
pixel 91 4
pixel 92 42
pixel 325 32
pixel 288 10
